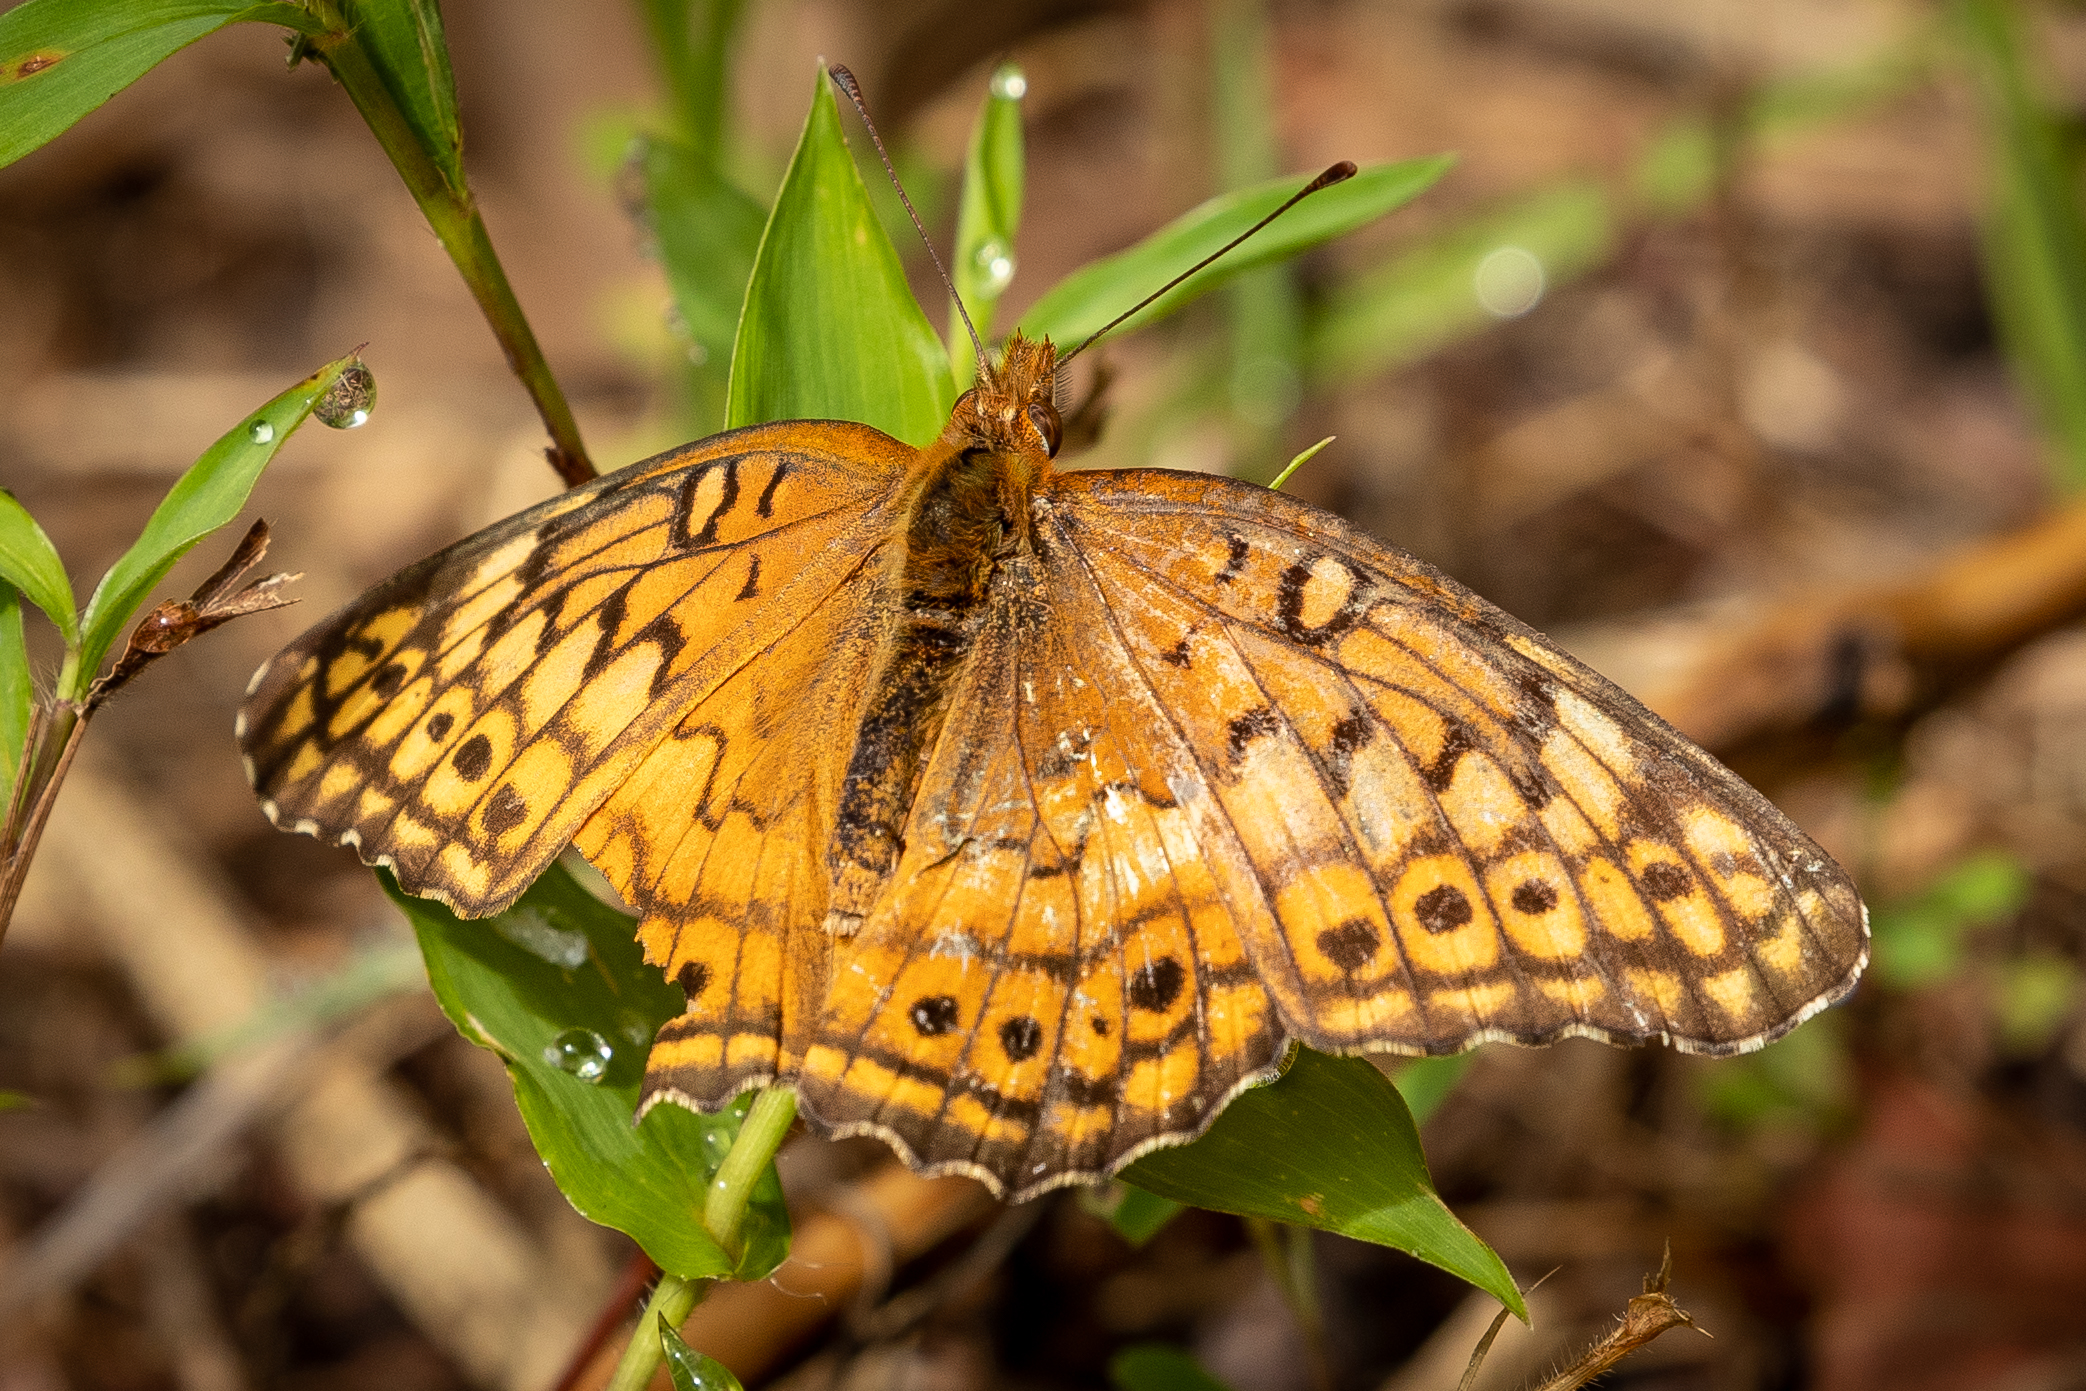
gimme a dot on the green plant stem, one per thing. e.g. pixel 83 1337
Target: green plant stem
pixel 760 1135
pixel 453 214
pixel 672 1300
pixel 724 1213
pixel 1285 1251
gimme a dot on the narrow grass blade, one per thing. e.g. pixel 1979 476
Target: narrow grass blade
pixel 17 690
pixel 1089 297
pixel 989 214
pixel 1427 297
pixel 2034 241
pixel 203 499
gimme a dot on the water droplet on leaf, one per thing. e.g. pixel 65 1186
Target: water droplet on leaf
pixel 581 1052
pixel 260 432
pixel 995 264
pixel 1009 83
pixel 348 402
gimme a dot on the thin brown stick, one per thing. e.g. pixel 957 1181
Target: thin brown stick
pixel 22 851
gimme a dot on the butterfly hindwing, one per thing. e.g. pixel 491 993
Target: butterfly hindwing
pixel 461 720
pixel 1057 978
pixel 1465 833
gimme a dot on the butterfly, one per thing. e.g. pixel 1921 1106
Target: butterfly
pixel 1023 817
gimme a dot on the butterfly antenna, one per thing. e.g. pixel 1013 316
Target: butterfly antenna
pixel 845 81
pixel 1339 173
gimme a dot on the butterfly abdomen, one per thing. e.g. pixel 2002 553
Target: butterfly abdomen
pixel 961 522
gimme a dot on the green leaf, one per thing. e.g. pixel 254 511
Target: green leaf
pixel 552 984
pixel 989 215
pixel 692 1370
pixel 29 562
pixel 708 233
pixel 1920 942
pixel 203 499
pixel 59 59
pixel 1426 297
pixel 830 328
pixel 16 1101
pixel 2034 242
pixel 1426 1082
pixel 1331 1145
pixel 1137 1215
pixel 405 44
pixel 693 41
pixel 17 690
pixel 1088 298
pixel 1158 1367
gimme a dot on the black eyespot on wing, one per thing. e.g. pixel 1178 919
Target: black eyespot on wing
pixel 1534 896
pixel 933 1015
pixel 505 810
pixel 1443 908
pixel 1350 945
pixel 473 758
pixel 1021 1037
pixel 1155 986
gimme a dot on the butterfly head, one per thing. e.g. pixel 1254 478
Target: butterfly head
pixel 1013 408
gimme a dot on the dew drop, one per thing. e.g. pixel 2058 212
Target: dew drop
pixel 1009 83
pixel 260 432
pixel 581 1052
pixel 348 402
pixel 995 265
pixel 1508 282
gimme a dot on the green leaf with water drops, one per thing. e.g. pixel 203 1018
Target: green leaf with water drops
pixel 30 563
pixel 207 496
pixel 989 215
pixel 17 690
pixel 406 46
pixel 692 1370
pixel 558 987
pixel 830 328
pixel 59 59
pixel 1329 1144
pixel 1088 298
pixel 1159 1367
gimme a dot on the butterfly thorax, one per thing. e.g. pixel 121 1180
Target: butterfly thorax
pixel 965 514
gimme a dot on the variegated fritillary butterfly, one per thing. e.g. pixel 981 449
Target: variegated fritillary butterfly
pixel 1021 817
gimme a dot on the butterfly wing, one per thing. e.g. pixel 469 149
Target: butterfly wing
pixel 1464 833
pixel 459 722
pixel 1059 974
pixel 1225 773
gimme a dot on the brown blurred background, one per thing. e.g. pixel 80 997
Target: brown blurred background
pixel 1752 452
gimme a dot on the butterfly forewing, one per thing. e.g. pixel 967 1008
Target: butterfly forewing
pixel 461 720
pixel 1465 833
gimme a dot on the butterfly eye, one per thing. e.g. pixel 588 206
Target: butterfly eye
pixel 1043 416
